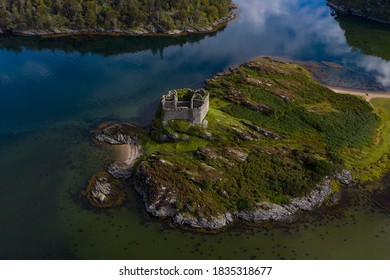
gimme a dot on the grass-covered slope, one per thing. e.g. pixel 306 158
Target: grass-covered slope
pixel 56 16
pixel 378 10
pixel 272 134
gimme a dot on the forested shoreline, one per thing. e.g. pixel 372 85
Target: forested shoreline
pixel 138 16
pixel 377 10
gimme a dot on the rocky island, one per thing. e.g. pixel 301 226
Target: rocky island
pixel 376 10
pixel 271 142
pixel 147 17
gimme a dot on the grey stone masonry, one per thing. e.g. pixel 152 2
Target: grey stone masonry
pixel 193 110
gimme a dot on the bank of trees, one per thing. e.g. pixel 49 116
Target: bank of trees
pixel 110 14
pixel 373 9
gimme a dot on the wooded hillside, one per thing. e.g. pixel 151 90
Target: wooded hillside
pixel 378 10
pixel 157 15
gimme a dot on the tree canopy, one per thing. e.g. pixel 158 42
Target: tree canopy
pixel 110 14
pixel 373 9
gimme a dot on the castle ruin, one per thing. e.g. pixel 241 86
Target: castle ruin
pixel 185 104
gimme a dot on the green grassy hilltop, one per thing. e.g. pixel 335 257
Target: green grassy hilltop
pixel 272 133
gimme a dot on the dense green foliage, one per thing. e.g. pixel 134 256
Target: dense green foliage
pixel 372 9
pixel 110 14
pixel 246 155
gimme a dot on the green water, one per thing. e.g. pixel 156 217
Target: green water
pixel 53 92
pixel 369 37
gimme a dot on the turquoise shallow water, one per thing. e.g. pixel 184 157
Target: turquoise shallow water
pixel 54 91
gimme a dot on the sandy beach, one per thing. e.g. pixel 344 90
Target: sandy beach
pixel 127 154
pixel 367 95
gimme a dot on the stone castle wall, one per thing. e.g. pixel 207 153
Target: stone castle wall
pixel 194 111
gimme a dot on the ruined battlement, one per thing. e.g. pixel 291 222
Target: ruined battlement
pixel 185 104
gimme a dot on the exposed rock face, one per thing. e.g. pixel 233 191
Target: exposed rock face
pixel 120 170
pixel 163 203
pixel 376 10
pixel 101 189
pixel 105 188
pixel 238 97
pixel 104 192
pixel 200 222
pixel 344 177
pixel 271 212
pixel 117 134
pixel 121 134
pixel 264 132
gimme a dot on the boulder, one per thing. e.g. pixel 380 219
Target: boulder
pixel 120 170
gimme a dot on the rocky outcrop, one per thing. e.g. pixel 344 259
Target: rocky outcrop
pixel 240 98
pixel 117 134
pixel 120 170
pixel 126 135
pixel 264 132
pixel 163 204
pixel 286 213
pixel 105 188
pixel 376 10
pixel 104 191
pixel 217 222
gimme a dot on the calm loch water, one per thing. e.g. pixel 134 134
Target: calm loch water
pixel 54 91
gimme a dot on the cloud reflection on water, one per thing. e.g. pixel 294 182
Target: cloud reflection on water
pixel 379 66
pixel 304 30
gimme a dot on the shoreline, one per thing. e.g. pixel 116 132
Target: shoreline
pixel 217 25
pixel 122 153
pixel 126 154
pixel 367 95
pixel 356 13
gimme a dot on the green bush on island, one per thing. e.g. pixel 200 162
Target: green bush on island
pixel 110 14
pixel 243 155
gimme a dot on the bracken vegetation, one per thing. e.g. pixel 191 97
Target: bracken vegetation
pixel 245 155
pixel 110 14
